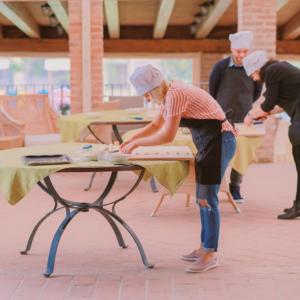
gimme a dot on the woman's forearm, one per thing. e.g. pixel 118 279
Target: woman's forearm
pixel 257 113
pixel 146 131
pixel 161 137
pixel 276 110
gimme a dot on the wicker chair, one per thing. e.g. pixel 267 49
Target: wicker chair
pixel 35 112
pixel 11 131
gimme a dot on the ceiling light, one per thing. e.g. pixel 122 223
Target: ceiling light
pixel 53 20
pixel 193 28
pixel 46 9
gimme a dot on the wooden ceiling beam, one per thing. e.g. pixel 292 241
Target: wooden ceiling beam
pixel 163 17
pixel 23 46
pixel 212 18
pixel 111 8
pixel 291 30
pixel 18 15
pixel 59 8
pixel 166 46
pixel 281 4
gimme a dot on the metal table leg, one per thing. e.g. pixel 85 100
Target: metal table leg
pixel 91 182
pixel 39 223
pixel 114 227
pixel 153 185
pixel 120 140
pixel 73 208
pixel 56 240
pixel 94 134
pixel 117 134
pixel 135 238
pixel 35 229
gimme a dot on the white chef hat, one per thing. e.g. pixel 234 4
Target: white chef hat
pixel 146 78
pixel 255 61
pixel 241 40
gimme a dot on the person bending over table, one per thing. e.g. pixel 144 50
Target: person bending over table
pixel 213 135
pixel 235 91
pixel 282 82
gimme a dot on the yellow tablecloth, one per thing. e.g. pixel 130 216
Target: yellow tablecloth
pixel 245 152
pixel 71 126
pixel 17 179
pixel 244 155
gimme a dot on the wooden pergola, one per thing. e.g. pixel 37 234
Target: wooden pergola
pixel 139 26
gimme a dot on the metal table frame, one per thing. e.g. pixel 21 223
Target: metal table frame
pixel 72 208
pixel 120 140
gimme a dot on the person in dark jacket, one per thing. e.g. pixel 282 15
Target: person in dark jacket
pixel 282 82
pixel 235 91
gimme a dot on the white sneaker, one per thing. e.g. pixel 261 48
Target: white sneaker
pixel 199 266
pixel 239 201
pixel 193 256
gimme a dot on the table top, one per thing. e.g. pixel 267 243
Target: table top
pixel 245 151
pixel 17 179
pixel 71 126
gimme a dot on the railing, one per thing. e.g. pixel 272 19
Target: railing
pixel 59 94
pixel 118 89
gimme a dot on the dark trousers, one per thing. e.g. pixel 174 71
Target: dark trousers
pixel 296 155
pixel 235 178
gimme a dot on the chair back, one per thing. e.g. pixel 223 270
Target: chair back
pixel 11 131
pixel 32 110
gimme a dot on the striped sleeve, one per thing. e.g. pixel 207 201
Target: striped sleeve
pixel 176 103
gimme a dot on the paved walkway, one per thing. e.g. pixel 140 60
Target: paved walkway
pixel 259 255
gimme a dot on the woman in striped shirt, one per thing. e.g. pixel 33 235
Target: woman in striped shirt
pixel 213 135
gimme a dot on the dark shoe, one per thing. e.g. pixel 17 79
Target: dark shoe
pixel 288 209
pixel 236 194
pixel 290 213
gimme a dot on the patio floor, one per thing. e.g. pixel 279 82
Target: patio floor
pixel 259 255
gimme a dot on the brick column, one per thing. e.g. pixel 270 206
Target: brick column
pixel 86 54
pixel 259 16
pixel 208 60
pixel 97 53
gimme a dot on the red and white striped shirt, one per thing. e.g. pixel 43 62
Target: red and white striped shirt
pixel 192 102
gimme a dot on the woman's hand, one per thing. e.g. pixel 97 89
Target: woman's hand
pixel 248 120
pixel 126 143
pixel 129 146
pixel 257 114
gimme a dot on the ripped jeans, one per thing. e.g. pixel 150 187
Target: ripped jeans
pixel 210 216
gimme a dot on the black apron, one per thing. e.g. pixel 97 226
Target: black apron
pixel 294 129
pixel 207 137
pixel 236 92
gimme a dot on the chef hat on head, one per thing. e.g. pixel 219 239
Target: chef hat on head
pixel 241 40
pixel 146 78
pixel 255 61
